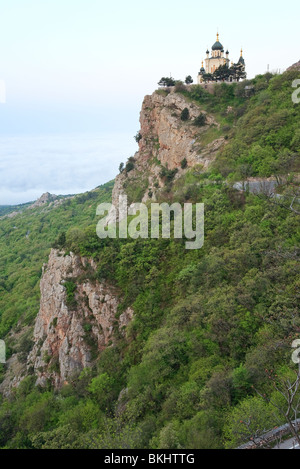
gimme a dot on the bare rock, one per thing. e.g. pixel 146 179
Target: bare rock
pixel 68 337
pixel 45 199
pixel 295 66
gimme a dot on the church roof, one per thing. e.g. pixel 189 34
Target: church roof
pixel 217 46
pixel 241 59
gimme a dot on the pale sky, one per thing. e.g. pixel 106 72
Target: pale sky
pixel 85 65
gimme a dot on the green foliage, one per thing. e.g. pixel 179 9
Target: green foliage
pixel 70 287
pixel 166 81
pixel 60 242
pixel 21 257
pixel 6 209
pixel 183 163
pixel 264 141
pixel 138 137
pixel 129 165
pixel 168 174
pixel 103 390
pixel 189 80
pixel 250 418
pixel 200 120
pixel 185 114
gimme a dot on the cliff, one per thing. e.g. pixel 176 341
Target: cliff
pixel 78 318
pixel 165 141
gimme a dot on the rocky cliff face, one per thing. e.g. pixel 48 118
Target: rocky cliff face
pixel 44 200
pixel 295 66
pixel 78 318
pixel 165 141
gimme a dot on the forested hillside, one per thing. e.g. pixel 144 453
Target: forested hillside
pixel 209 325
pixel 25 241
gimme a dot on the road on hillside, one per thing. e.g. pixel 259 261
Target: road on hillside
pixel 289 444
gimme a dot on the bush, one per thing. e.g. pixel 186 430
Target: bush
pixel 200 121
pixel 129 165
pixel 70 290
pixel 166 81
pixel 185 114
pixel 168 174
pixel 183 163
pixel 138 137
pixel 60 242
pixel 189 80
pixel 179 86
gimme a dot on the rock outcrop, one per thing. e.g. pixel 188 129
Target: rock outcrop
pixel 78 318
pixel 295 66
pixel 44 200
pixel 165 140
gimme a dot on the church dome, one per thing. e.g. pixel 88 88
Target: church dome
pixel 217 45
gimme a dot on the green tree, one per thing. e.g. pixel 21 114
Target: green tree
pixel 249 420
pixel 185 114
pixel 188 80
pixel 166 82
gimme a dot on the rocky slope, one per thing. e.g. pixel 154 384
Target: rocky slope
pixel 69 334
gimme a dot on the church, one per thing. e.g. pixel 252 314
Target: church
pixel 216 60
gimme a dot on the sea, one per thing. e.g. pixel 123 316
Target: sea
pixel 61 164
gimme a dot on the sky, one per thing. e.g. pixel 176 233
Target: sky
pixel 83 67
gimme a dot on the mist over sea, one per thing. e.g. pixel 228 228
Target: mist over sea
pixel 59 163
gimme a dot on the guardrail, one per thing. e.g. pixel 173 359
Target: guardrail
pixel 269 436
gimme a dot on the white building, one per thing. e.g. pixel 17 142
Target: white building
pixel 217 59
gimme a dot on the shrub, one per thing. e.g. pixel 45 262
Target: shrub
pixel 185 114
pixel 60 242
pixel 168 174
pixel 200 121
pixel 189 80
pixel 129 165
pixel 183 163
pixel 166 81
pixel 70 290
pixel 179 86
pixel 138 137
